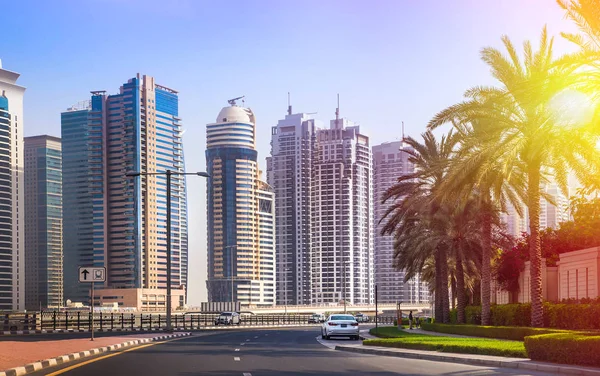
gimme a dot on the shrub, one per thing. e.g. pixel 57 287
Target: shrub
pixel 564 348
pixel 513 333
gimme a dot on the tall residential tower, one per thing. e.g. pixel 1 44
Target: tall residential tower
pixel 12 228
pixel 241 214
pixel 120 221
pixel 290 173
pixel 43 223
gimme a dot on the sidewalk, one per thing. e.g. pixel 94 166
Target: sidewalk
pixel 472 359
pixel 18 353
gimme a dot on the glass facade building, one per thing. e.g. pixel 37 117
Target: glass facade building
pixel 43 223
pixel 241 216
pixel 12 247
pixel 136 130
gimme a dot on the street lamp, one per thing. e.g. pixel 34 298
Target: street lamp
pixel 230 247
pixel 168 174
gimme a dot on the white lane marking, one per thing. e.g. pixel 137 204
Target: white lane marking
pixel 236 359
pixel 255 336
pixel 237 349
pixel 247 374
pixel 242 344
pixel 248 340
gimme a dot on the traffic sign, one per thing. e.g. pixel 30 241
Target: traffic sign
pixel 92 274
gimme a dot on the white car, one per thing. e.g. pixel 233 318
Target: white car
pixel 340 326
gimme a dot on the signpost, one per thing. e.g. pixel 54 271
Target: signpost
pixel 92 275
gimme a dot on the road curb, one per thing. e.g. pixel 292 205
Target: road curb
pixel 36 366
pixel 447 357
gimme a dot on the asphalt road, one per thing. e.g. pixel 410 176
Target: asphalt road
pixel 260 352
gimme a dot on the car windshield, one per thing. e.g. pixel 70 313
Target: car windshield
pixel 341 317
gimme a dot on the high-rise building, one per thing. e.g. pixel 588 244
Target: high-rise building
pixel 241 214
pixel 117 221
pixel 12 242
pixel 342 227
pixel 290 173
pixel 553 214
pixel 43 223
pixel 390 161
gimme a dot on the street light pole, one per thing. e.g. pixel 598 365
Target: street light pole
pixel 169 303
pixel 168 174
pixel 231 272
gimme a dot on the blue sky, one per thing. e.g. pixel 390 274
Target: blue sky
pixel 390 61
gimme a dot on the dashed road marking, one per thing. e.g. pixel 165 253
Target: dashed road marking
pixel 237 349
pixel 247 374
pixel 237 359
pixel 255 336
pixel 242 344
pixel 248 340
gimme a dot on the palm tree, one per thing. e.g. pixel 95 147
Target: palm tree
pixel 472 170
pixel 586 15
pixel 520 128
pixel 411 216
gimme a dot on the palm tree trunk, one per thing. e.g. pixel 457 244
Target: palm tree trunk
pixel 438 287
pixel 486 250
pixel 445 296
pixel 460 286
pixel 535 249
pixel 453 290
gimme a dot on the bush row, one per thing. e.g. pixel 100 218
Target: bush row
pixel 564 348
pixel 513 333
pixel 556 315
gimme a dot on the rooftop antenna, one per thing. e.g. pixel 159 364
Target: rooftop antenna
pixel 337 112
pixel 233 101
pixel 289 105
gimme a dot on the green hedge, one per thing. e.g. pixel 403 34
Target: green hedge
pixel 564 348
pixel 557 316
pixel 513 333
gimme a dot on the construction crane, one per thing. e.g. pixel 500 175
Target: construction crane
pixel 232 101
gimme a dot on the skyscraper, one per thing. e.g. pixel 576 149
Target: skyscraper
pixel 121 221
pixel 390 161
pixel 43 223
pixel 290 172
pixel 12 244
pixel 241 215
pixel 342 226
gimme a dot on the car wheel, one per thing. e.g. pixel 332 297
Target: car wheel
pixel 357 338
pixel 323 336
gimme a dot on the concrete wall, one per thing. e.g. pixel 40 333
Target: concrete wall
pixel 578 274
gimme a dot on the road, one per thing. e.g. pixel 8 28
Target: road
pixel 259 352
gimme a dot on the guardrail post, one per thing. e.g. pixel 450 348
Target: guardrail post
pixel 176 322
pixel 66 320
pixel 53 320
pixel 101 317
pixel 78 320
pixel 111 321
pixel 122 321
pixel 132 320
pixel 90 321
pixel 41 320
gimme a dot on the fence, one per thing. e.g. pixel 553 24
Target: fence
pixel 81 320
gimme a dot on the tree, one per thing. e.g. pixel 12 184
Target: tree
pixel 522 127
pixel 414 216
pixel 473 169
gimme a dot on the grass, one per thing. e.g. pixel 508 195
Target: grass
pixel 392 337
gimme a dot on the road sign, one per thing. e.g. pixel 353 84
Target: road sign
pixel 91 274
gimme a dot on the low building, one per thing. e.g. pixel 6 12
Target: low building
pixel 145 300
pixel 576 276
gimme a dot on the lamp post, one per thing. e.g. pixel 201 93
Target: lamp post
pixel 168 174
pixel 230 247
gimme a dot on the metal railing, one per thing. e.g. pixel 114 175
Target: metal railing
pixel 82 320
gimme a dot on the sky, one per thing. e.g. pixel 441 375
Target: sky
pixel 391 61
